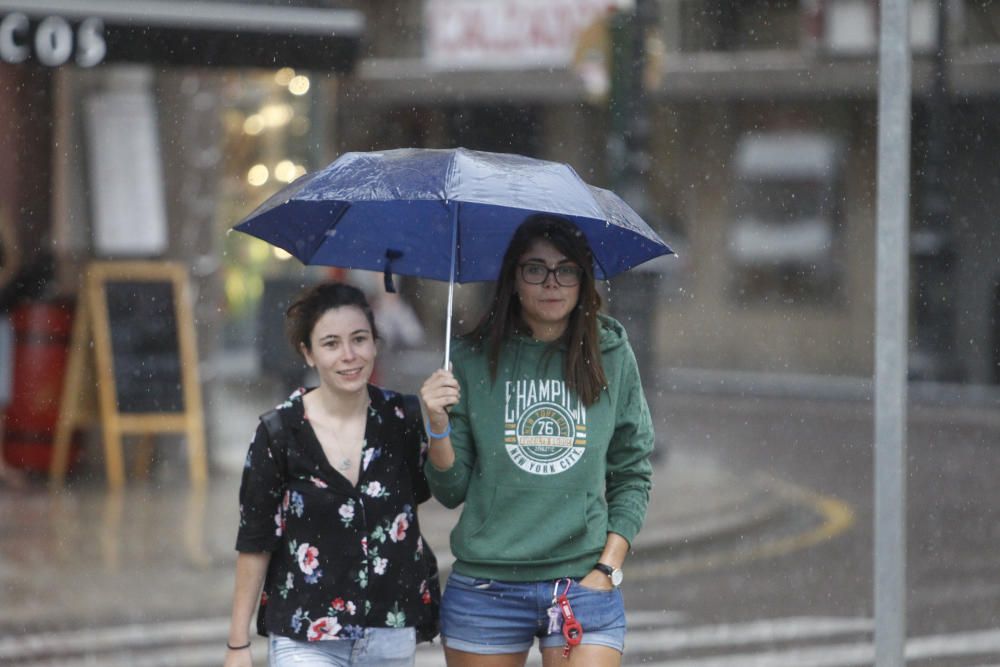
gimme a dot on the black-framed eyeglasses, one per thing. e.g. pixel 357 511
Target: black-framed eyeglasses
pixel 534 273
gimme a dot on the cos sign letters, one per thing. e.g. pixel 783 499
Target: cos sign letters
pixel 52 41
pixel 57 33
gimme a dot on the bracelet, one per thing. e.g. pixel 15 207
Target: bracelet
pixel 437 436
pixel 237 648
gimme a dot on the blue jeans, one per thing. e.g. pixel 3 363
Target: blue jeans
pixel 380 647
pixel 486 616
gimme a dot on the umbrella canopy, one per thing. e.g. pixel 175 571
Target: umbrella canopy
pixel 443 214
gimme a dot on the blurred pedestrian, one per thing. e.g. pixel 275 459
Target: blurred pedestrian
pixel 543 431
pixel 329 542
pixel 398 325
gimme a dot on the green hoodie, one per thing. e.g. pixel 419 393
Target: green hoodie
pixel 544 478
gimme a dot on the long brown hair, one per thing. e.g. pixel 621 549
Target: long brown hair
pixel 583 370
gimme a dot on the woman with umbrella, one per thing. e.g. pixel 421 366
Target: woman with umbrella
pixel 328 507
pixel 543 432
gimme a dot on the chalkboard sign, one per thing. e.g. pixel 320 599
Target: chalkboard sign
pixel 135 330
pixel 145 349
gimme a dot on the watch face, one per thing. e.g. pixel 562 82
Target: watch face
pixel 616 578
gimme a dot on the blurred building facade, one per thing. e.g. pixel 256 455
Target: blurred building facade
pixel 761 159
pixel 758 158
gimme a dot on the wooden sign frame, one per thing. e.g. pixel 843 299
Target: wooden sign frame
pixel 92 325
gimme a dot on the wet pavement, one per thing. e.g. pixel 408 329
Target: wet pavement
pixel 162 550
pixel 94 577
pixel 91 577
pixel 144 576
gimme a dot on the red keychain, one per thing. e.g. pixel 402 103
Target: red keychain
pixel 571 628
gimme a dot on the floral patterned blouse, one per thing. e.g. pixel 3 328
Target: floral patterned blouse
pixel 343 557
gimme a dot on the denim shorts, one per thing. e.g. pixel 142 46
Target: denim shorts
pixel 486 616
pixel 380 647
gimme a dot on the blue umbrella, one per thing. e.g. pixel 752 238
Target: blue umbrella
pixel 443 214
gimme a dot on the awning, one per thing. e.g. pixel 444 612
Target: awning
pixel 179 32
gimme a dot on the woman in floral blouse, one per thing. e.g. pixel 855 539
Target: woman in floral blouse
pixel 328 541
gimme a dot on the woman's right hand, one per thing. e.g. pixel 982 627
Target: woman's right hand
pixel 439 392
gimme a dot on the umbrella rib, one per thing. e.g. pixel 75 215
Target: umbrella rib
pixel 604 272
pixel 326 235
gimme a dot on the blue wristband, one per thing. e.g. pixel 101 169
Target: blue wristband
pixel 437 436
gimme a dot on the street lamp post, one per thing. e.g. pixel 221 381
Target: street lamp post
pixel 629 163
pixel 628 144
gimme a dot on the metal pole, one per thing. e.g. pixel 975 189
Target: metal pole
pixel 891 319
pixel 451 287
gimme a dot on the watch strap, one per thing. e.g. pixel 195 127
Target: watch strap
pixel 606 569
pixel 613 573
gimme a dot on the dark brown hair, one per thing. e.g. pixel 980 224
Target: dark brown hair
pixel 312 304
pixel 583 370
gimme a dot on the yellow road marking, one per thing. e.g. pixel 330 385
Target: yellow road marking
pixel 837 515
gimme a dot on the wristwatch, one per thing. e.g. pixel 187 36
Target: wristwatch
pixel 614 574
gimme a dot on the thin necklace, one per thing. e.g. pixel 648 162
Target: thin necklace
pixel 346 462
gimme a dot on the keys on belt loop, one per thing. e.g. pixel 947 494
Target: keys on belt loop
pixel 553 611
pixel 571 629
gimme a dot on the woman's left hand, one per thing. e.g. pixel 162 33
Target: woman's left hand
pixel 597 581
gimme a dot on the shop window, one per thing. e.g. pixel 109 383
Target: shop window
pixel 784 238
pixel 273 133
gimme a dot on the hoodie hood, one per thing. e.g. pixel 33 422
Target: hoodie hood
pixel 524 357
pixel 611 334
